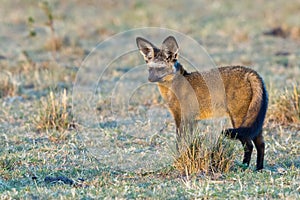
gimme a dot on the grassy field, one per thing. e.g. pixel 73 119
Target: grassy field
pixel 103 149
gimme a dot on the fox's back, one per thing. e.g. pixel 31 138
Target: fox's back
pixel 232 99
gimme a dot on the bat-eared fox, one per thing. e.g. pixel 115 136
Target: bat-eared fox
pixel 188 97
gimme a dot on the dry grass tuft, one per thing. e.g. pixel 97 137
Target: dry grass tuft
pixel 285 108
pixel 7 85
pixel 206 156
pixel 54 113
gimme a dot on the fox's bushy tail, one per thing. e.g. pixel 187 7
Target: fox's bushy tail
pixel 254 119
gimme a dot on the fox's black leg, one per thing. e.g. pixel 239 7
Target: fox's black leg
pixel 260 147
pixel 248 148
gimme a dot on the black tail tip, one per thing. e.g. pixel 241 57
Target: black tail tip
pixel 237 133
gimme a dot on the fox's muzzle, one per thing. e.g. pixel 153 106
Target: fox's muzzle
pixel 156 74
pixel 153 76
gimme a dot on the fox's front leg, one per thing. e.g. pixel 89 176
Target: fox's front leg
pixel 179 130
pixel 184 132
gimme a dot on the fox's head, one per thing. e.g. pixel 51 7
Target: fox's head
pixel 162 63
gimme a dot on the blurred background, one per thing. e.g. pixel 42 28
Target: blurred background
pixel 262 34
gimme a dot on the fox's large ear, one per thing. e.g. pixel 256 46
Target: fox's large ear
pixel 170 47
pixel 146 48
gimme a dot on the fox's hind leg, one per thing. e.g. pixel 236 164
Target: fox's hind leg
pixel 260 147
pixel 248 148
